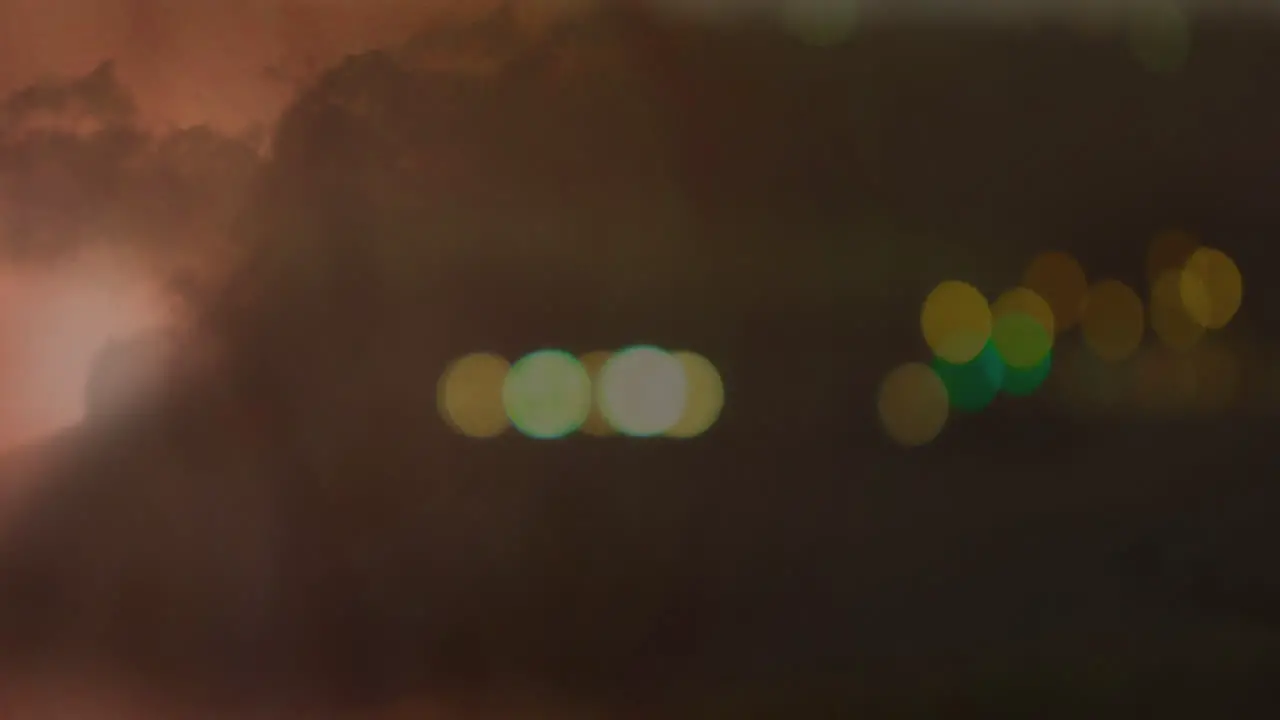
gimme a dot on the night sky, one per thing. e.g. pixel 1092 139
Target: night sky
pixel 332 211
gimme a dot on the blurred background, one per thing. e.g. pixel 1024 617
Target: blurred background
pixel 630 359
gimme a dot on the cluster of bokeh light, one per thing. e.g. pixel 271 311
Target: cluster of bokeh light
pixel 983 349
pixel 641 391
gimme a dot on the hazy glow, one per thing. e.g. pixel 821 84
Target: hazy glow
pixel 1171 320
pixel 470 395
pixel 1161 38
pixel 956 321
pixel 55 322
pixel 913 404
pixel 547 394
pixel 704 398
pixel 1113 322
pixel 821 23
pixel 1222 282
pixel 596 425
pixel 1059 279
pixel 643 391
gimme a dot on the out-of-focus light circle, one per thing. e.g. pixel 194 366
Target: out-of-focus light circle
pixel 1169 251
pixel 972 386
pixel 643 391
pixel 1059 279
pixel 1024 301
pixel 956 321
pixel 1022 341
pixel 596 425
pixel 1172 294
pixel 547 394
pixel 1113 321
pixel 469 395
pixel 1222 281
pixel 1024 382
pixel 913 404
pixel 1161 39
pixel 820 23
pixel 704 398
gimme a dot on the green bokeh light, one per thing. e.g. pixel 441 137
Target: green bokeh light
pixel 1023 382
pixel 1022 342
pixel 547 394
pixel 972 386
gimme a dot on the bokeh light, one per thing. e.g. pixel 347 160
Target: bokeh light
pixel 1024 382
pixel 596 425
pixel 972 386
pixel 1171 319
pixel 1169 251
pixel 1220 279
pixel 956 321
pixel 643 391
pixel 469 395
pixel 1060 280
pixel 547 394
pixel 1022 340
pixel 1113 320
pixel 1024 301
pixel 704 396
pixel 913 404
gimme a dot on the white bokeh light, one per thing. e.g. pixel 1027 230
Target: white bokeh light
pixel 643 391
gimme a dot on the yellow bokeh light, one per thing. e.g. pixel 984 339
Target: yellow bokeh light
pixel 1169 251
pixel 704 397
pixel 469 395
pixel 596 425
pixel 1059 279
pixel 1172 320
pixel 1017 314
pixel 1112 321
pixel 913 404
pixel 1221 281
pixel 643 391
pixel 956 321
pixel 1024 301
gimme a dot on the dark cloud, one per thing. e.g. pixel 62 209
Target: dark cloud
pixel 77 170
pixel 97 96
